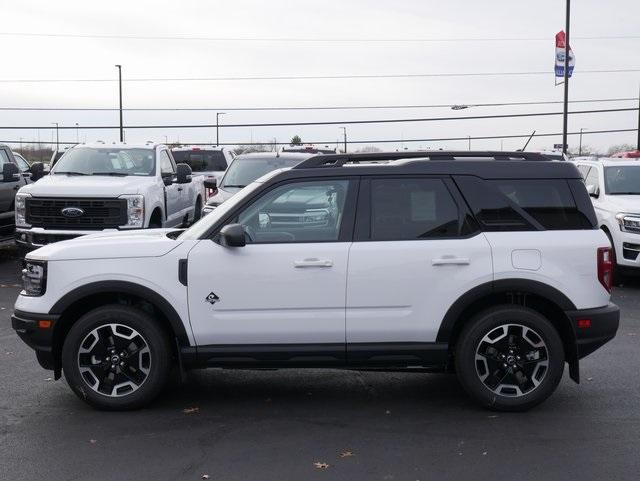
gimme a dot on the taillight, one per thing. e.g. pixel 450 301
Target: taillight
pixel 605 267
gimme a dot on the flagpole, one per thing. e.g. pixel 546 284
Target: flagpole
pixel 565 114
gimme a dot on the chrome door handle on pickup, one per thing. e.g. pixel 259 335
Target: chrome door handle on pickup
pixel 451 260
pixel 313 263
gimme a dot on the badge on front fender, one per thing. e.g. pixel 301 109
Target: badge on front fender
pixel 212 298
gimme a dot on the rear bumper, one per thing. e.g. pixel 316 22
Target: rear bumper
pixel 602 328
pixel 26 325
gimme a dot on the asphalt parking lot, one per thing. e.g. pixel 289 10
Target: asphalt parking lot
pixel 274 425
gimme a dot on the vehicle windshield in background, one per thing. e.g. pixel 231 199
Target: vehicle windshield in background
pixel 106 161
pixel 242 172
pixel 201 160
pixel 621 180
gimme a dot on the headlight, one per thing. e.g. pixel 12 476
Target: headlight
pixel 21 210
pixel 34 278
pixel 628 222
pixel 135 211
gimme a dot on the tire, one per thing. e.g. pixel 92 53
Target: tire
pixel 197 213
pixel 515 334
pixel 145 365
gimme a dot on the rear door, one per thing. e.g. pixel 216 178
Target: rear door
pixel 416 251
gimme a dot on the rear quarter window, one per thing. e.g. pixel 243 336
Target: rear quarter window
pixel 528 204
pixel 201 160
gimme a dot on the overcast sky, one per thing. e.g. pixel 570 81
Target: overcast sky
pixel 94 58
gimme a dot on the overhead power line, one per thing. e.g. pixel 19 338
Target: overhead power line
pixel 339 107
pixel 308 39
pixel 369 141
pixel 315 77
pixel 329 122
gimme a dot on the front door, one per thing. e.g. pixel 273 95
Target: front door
pixel 414 255
pixel 285 290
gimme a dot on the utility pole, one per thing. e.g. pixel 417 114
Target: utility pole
pixel 565 114
pixel 218 114
pixel 77 134
pixel 120 95
pixel 344 130
pixel 580 145
pixel 57 136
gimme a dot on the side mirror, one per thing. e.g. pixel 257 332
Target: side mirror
pixel 592 190
pixel 183 174
pixel 232 235
pixel 37 171
pixel 211 183
pixel 10 172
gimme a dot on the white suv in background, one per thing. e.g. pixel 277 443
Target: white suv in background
pixel 614 187
pixel 489 265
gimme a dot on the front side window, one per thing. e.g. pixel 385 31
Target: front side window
pixel 166 166
pixel 622 180
pixel 23 165
pixel 408 209
pixel 4 158
pixel 106 161
pixel 296 212
pixel 592 178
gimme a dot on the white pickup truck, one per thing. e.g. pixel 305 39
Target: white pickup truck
pixel 102 187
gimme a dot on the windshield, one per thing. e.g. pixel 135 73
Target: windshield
pixel 106 161
pixel 243 171
pixel 622 180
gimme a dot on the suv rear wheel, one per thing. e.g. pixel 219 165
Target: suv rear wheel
pixel 509 358
pixel 116 357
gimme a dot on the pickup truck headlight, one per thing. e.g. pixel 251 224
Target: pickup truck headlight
pixel 629 222
pixel 135 211
pixel 21 210
pixel 34 278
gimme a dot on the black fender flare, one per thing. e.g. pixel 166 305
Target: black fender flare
pixel 125 287
pixel 496 287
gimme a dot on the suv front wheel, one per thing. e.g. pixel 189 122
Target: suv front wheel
pixel 509 358
pixel 116 357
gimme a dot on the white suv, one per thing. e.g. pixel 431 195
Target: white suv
pixel 490 265
pixel 614 187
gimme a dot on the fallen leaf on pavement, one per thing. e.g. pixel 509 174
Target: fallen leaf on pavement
pixel 346 454
pixel 319 465
pixel 49 379
pixel 191 410
pixel 205 476
pixel 93 441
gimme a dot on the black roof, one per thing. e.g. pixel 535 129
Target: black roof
pixel 488 165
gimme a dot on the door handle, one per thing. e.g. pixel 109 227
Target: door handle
pixel 313 263
pixel 451 260
pixel 179 189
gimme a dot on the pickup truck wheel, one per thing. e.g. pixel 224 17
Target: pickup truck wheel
pixel 116 357
pixel 509 358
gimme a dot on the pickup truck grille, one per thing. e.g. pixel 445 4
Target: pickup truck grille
pixel 96 213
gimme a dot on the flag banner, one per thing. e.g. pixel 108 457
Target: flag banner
pixel 560 47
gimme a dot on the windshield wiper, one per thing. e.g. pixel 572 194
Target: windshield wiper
pixel 234 185
pixel 71 173
pixel 624 193
pixel 116 174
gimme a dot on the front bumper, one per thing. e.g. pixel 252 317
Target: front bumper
pixel 627 246
pixel 37 236
pixel 602 327
pixel 32 331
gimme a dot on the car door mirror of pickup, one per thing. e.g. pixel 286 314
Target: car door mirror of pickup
pixel 37 171
pixel 183 174
pixel 232 235
pixel 592 190
pixel 10 172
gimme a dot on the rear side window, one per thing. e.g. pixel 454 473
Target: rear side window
pixel 202 160
pixel 525 204
pixel 408 209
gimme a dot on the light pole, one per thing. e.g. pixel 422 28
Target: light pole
pixel 77 134
pixel 469 137
pixel 166 140
pixel 565 113
pixel 119 67
pixel 57 136
pixel 580 145
pixel 344 131
pixel 218 114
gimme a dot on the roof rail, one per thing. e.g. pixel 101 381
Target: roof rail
pixel 338 160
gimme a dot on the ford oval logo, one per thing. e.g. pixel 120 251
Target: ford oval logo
pixel 72 212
